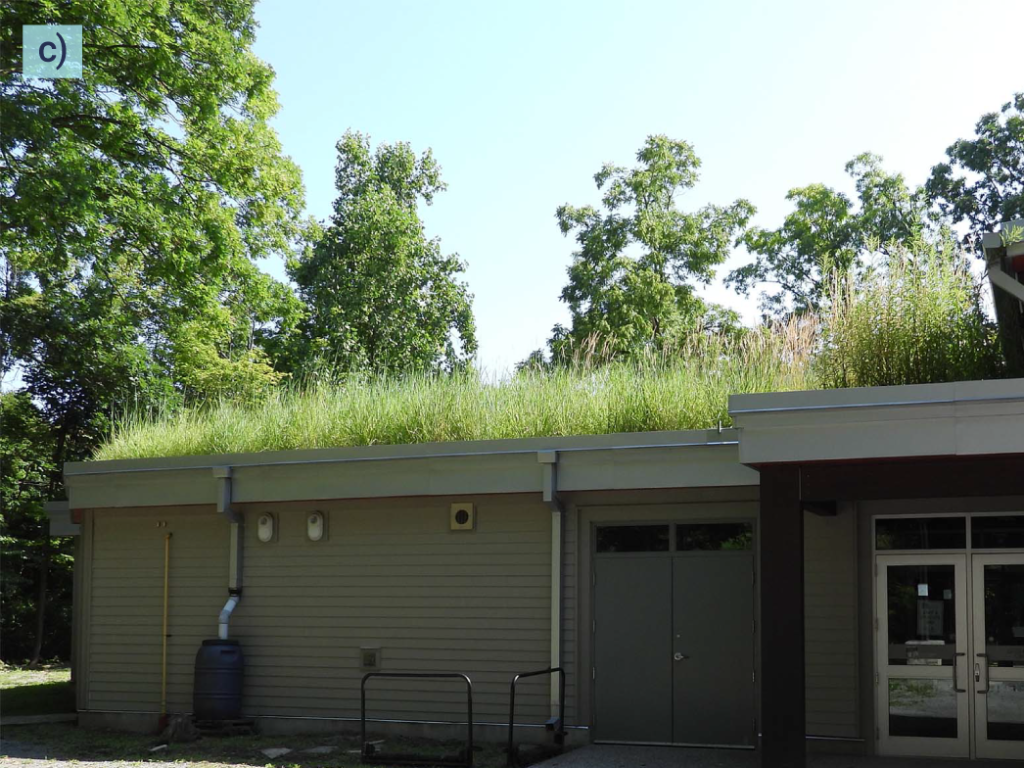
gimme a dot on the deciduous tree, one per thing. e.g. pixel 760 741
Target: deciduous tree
pixel 379 293
pixel 981 185
pixel 826 234
pixel 134 203
pixel 632 281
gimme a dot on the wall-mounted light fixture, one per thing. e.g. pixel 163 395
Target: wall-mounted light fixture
pixel 265 527
pixel 316 526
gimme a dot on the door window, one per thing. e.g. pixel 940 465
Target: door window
pixel 921 607
pixel 997 531
pixel 920 533
pixel 632 538
pixel 714 536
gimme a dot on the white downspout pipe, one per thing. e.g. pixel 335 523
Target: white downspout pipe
pixel 225 616
pixel 549 461
pixel 237 521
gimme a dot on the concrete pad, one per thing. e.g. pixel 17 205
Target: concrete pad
pixel 324 750
pixel 617 756
pixel 275 752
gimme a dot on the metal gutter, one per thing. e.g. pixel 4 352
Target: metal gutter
pixel 220 460
pixel 887 404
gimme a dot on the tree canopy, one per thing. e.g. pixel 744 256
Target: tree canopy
pixel 639 258
pixel 380 294
pixel 980 185
pixel 828 233
pixel 134 205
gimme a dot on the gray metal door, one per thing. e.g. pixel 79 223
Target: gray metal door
pixel 713 649
pixel 633 648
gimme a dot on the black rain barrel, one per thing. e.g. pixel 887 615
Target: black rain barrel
pixel 217 689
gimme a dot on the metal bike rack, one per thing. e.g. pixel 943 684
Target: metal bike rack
pixel 556 724
pixel 369 754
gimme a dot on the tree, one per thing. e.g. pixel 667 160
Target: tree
pixel 378 292
pixel 133 205
pixel 980 186
pixel 631 281
pixel 827 235
pixel 26 477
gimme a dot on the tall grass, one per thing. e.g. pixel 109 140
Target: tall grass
pixel 916 320
pixel 684 388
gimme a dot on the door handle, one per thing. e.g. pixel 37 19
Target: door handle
pixel 977 672
pixel 679 656
pixel 956 677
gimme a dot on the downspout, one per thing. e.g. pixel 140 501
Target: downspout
pixel 549 462
pixel 237 521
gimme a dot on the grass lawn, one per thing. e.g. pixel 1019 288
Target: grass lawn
pixel 42 691
pixel 64 742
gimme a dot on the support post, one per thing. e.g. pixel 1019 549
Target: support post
pixel 782 619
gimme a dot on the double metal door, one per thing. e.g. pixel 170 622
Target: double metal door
pixel 950 655
pixel 674 649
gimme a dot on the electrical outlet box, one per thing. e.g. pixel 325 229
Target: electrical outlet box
pixel 463 517
pixel 369 657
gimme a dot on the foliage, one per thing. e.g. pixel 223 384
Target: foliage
pixel 686 387
pixel 381 296
pixel 133 205
pixel 26 477
pixel 827 235
pixel 148 184
pixel 915 319
pixel 982 182
pixel 632 277
pixel 982 185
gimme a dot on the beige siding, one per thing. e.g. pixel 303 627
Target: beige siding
pixel 569 613
pixel 391 574
pixel 830 589
pixel 126 603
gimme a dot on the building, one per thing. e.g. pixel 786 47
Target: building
pixel 842 571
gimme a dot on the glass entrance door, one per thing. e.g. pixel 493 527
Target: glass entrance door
pixel 998 663
pixel 922 639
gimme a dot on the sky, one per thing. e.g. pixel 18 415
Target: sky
pixel 522 102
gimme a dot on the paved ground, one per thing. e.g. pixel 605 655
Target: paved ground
pixel 679 757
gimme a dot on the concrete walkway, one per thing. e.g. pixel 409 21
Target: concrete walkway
pixel 607 756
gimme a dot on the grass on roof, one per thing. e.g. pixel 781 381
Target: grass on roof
pixel 915 318
pixel 687 389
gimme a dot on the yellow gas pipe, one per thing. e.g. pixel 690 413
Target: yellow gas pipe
pixel 163 654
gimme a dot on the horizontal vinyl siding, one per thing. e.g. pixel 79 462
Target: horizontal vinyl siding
pixel 391 574
pixel 569 614
pixel 830 592
pixel 126 604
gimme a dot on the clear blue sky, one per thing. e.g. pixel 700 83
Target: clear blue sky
pixel 523 101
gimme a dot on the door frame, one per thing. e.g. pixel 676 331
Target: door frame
pixel 672 514
pixel 910 745
pixel 971 638
pixel 983 678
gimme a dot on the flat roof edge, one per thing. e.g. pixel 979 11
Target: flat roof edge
pixel 993 390
pixel 407 451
